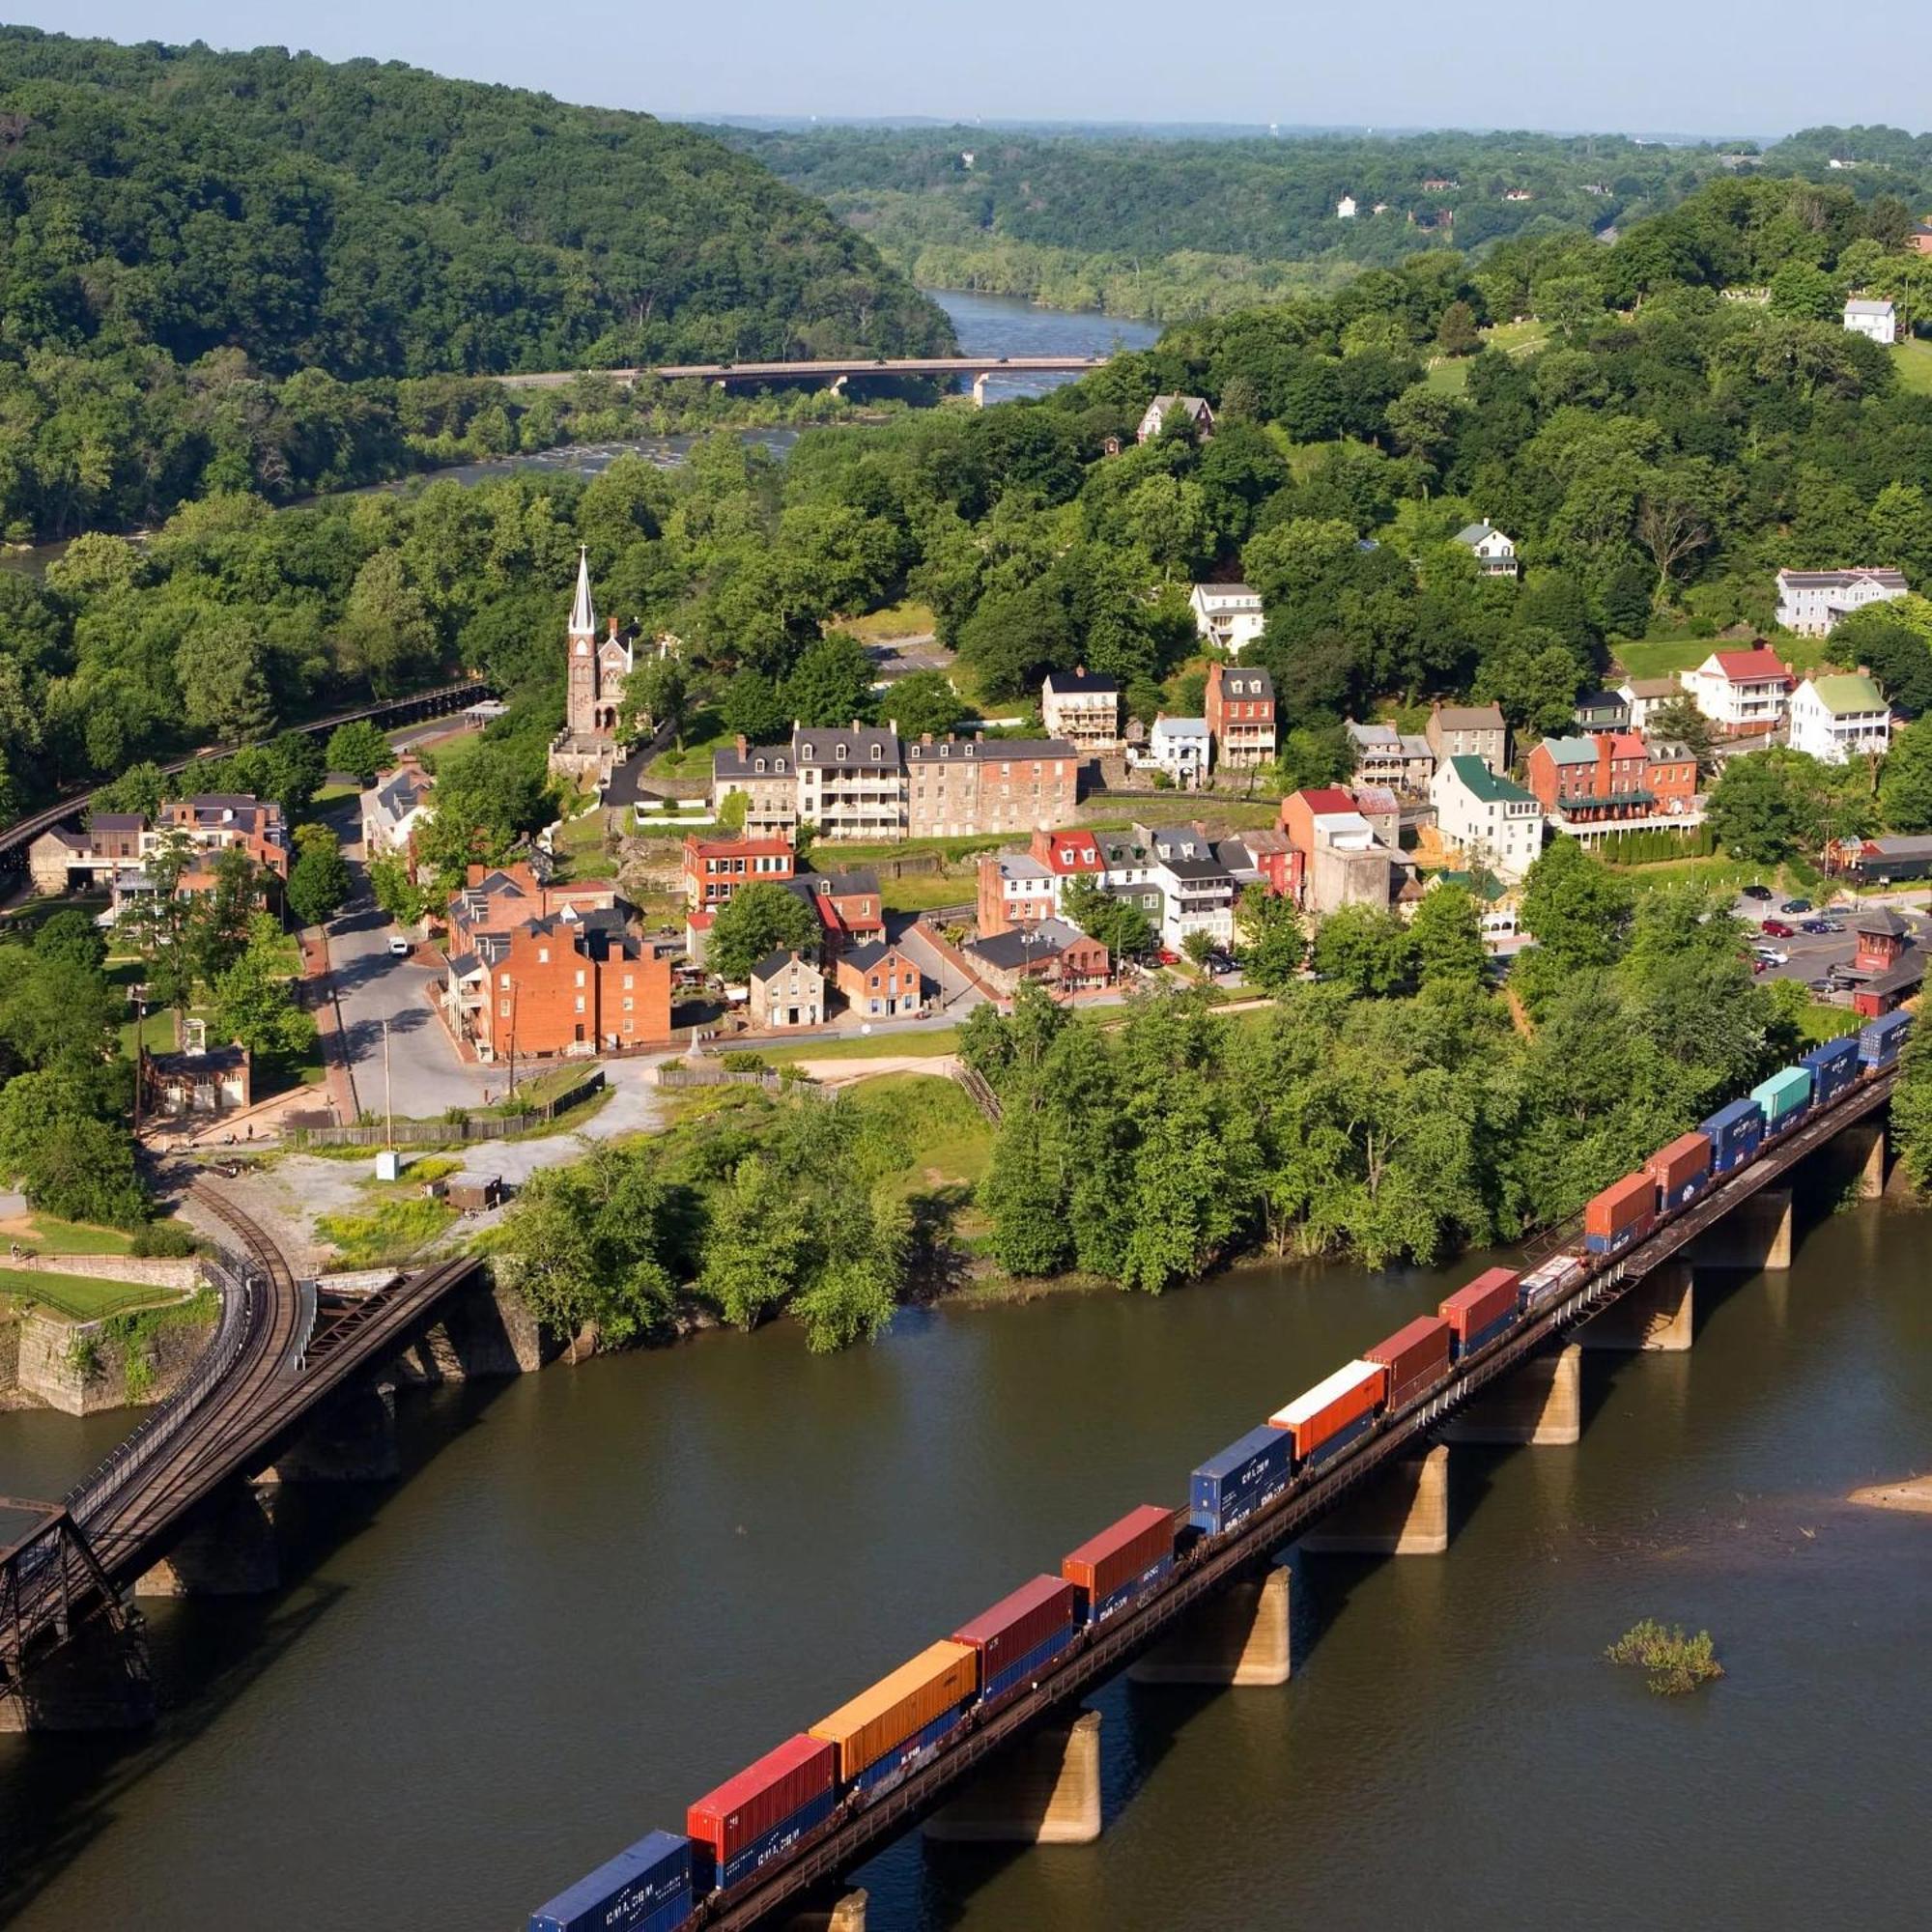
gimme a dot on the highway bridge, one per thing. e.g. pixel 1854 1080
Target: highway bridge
pixel 978 370
pixel 275 1358
pixel 15 838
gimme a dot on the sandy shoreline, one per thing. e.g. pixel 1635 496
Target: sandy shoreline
pixel 1913 1494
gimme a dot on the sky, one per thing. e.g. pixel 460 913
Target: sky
pixel 1697 67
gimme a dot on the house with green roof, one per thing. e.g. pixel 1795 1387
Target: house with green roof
pixel 1486 820
pixel 1838 716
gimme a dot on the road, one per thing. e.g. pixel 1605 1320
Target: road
pixel 1814 954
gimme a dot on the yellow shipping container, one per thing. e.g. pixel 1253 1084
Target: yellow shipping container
pixel 895 1707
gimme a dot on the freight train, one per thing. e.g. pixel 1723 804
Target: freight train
pixel 771 1810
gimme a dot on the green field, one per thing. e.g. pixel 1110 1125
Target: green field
pixel 921 892
pixel 1666 653
pixel 918 1044
pixel 80 1297
pixel 896 621
pixel 1914 362
pixel 48 1235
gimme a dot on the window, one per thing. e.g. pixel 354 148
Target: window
pixel 580 975
pixel 875 754
pixel 628 1004
pixel 505 1009
pixel 543 956
pixel 580 1002
pixel 838 753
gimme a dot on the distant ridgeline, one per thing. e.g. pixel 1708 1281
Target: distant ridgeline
pixel 1166 228
pixel 197 247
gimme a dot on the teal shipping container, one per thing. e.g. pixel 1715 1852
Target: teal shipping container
pixel 1783 1095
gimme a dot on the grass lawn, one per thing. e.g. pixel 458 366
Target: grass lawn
pixel 918 1044
pixel 1518 338
pixel 897 620
pixel 1666 653
pixel 578 845
pixel 80 1297
pixel 923 891
pixel 1818 1022
pixel 391 1232
pixel 334 794
pixel 1914 362
pixel 704 732
pixel 48 1235
pixel 1450 376
pixel 945 1139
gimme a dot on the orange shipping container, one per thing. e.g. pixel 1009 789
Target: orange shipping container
pixel 1620 1204
pixel 894 1709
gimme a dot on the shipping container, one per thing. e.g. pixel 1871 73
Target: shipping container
pixel 1735 1133
pixel 644 1889
pixel 1417 1358
pixel 1621 1215
pixel 1126 1562
pixel 1022 1634
pixel 1832 1066
pixel 1555 1277
pixel 762 1812
pixel 1784 1097
pixel 886 1731
pixel 1246 1476
pixel 1481 1310
pixel 1682 1171
pixel 1336 1411
pixel 1880 1039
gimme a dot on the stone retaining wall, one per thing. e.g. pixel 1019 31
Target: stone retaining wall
pixel 147 1271
pixel 53 1368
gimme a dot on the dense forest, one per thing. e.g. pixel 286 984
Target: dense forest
pixel 1170 228
pixel 223 270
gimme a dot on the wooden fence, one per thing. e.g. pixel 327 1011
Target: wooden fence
pixel 453 1133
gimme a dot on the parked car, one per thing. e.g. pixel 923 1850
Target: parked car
pixel 1772 955
pixel 1167 958
pixel 1757 891
pixel 1828 984
pixel 1760 964
pixel 1776 929
pixel 1829 925
pixel 399 946
pixel 1796 905
pixel 1812 925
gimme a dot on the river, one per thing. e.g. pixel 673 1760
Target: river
pixel 602 1589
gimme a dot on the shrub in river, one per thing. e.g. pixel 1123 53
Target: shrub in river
pixel 1675 1663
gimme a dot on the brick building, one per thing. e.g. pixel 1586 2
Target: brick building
pixel 1014 889
pixel 714 869
pixel 878 981
pixel 1240 714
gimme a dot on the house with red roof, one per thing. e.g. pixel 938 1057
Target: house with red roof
pixel 1742 693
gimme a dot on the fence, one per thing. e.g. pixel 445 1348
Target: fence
pixel 726 1076
pixel 453 1133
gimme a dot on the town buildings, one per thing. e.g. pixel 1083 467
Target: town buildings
pixel 715 868
pixel 1165 409
pixel 1227 615
pixel 1603 711
pixel 1401 760
pixel 1343 862
pixel 1014 889
pixel 1645 696
pixel 1592 785
pixel 1056 956
pixel 1810 602
pixel 1670 771
pixel 1493 551
pixel 879 981
pixel 113 843
pixel 1182 747
pixel 1083 707
pixel 1876 320
pixel 962 787
pixel 587 749
pixel 1240 714
pixel 850 783
pixel 1488 821
pixel 786 991
pixel 767 776
pixel 1468 730
pixel 1890 967
pixel 1741 692
pixel 1197 889
pixel 392 808
pixel 1840 716
pixel 848 904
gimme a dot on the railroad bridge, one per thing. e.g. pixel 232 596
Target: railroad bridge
pixel 834 373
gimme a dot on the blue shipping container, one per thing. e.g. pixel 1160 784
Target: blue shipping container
pixel 644 1889
pixel 778 1840
pixel 1834 1066
pixel 1245 1476
pixel 1458 1349
pixel 1735 1133
pixel 907 1757
pixel 1022 1669
pixel 1879 1040
pixel 1132 1590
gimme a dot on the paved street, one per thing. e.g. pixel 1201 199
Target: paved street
pixel 1813 955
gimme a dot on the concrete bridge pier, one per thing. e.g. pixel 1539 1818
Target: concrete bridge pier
pixel 1865 1142
pixel 98 1680
pixel 845 1913
pixel 229 1551
pixel 1655 1317
pixel 980 383
pixel 1540 1405
pixel 1044 1790
pixel 1241 1637
pixel 1401 1512
pixel 1754 1235
pixel 352 1438
pixel 838 387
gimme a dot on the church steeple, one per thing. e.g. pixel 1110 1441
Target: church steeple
pixel 582 618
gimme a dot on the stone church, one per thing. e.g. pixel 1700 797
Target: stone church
pixel 587 747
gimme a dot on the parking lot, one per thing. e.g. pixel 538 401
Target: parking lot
pixel 1811 957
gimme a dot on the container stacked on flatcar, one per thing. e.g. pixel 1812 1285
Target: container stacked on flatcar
pixel 1244 1477
pixel 1481 1310
pixel 1833 1067
pixel 1336 1411
pixel 647 1889
pixel 1021 1634
pixel 1735 1133
pixel 1417 1357
pixel 1124 1564
pixel 1681 1171
pixel 1621 1215
pixel 1880 1039
pixel 1785 1099
pixel 1553 1278
pixel 762 1812
pixel 888 1731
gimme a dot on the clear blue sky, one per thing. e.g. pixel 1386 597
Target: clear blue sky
pixel 1693 66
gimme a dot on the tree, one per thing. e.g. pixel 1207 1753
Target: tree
pixel 659 693
pixel 1198 946
pixel 387 633
pixel 1905 785
pixel 1457 334
pixel 759 919
pixel 1448 934
pixel 1575 907
pixel 1269 939
pixel 1894 639
pixel 1802 292
pixel 296 768
pixel 1314 754
pixel 1370 952
pixel 487 796
pixel 255 1006
pixel 1678 721
pixel 1775 805
pixel 66 1159
pixel 1912 1109
pixel 73 937
pixel 360 750
pixel 1118 924
pixel 923 702
pixel 759 1245
pixel 831 683
pixel 753 708
pixel 731 811
pixel 319 882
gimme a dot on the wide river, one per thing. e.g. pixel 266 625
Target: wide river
pixel 599 1590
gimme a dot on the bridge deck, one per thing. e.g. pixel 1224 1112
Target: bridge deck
pixel 780 372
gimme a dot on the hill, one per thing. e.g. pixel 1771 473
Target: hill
pixel 371 219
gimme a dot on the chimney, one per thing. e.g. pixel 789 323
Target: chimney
pixel 743 747
pixel 1602 764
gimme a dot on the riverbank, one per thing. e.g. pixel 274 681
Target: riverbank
pixel 1913 1495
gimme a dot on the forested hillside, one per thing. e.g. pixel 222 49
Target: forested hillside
pixel 1172 228
pixel 198 251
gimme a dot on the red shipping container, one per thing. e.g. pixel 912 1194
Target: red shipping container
pixel 762 1796
pixel 1686 1157
pixel 1488 1299
pixel 1623 1204
pixel 1320 1414
pixel 1121 1553
pixel 1416 1357
pixel 1019 1623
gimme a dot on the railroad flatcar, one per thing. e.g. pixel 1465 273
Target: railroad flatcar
pixel 646 1889
pixel 1481 1310
pixel 1555 1277
pixel 1880 1039
pixel 890 1730
pixel 1735 1133
pixel 1785 1097
pixel 763 1812
pixel 1124 1564
pixel 1337 1409
pixel 1833 1067
pixel 1244 1477
pixel 1681 1171
pixel 1021 1634
pixel 1417 1357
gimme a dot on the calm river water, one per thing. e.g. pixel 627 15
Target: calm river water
pixel 602 1589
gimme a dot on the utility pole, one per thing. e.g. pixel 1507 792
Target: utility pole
pixel 389 1095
